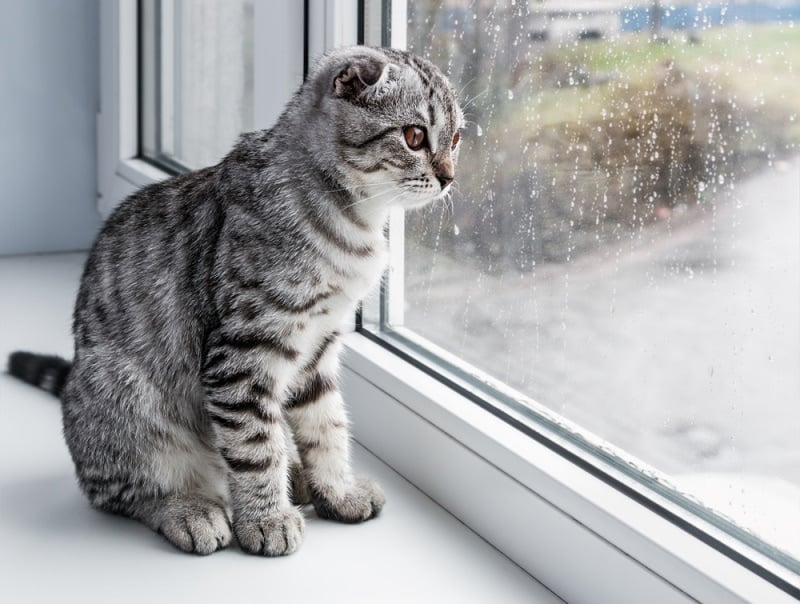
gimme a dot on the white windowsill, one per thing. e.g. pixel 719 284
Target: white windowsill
pixel 56 548
pixel 544 512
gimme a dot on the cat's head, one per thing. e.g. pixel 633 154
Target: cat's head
pixel 392 125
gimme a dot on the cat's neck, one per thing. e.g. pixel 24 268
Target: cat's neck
pixel 374 217
pixel 369 213
pixel 322 169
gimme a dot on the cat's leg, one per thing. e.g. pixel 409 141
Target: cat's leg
pixel 137 455
pixel 189 521
pixel 245 380
pixel 298 488
pixel 193 512
pixel 318 418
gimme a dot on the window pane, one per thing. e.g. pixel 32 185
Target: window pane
pixel 623 242
pixel 197 96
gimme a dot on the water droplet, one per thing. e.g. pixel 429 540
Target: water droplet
pixel 478 130
pixel 510 95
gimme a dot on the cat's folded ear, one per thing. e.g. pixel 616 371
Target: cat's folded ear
pixel 363 77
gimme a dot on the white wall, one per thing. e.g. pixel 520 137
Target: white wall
pixel 49 95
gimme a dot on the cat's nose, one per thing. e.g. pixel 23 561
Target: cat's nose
pixel 444 179
pixel 445 171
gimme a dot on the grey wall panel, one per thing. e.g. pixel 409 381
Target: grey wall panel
pixel 49 94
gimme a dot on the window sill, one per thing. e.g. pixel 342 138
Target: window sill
pixel 56 547
pixel 544 512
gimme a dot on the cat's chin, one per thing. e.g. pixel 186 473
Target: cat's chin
pixel 416 204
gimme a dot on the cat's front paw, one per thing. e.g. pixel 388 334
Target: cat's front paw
pixel 278 534
pixel 359 501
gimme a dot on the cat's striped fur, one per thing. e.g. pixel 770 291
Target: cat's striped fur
pixel 203 397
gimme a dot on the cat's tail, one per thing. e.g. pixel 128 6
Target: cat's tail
pixel 43 371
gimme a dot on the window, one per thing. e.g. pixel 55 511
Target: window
pixel 619 266
pixel 590 356
pixel 181 80
pixel 197 79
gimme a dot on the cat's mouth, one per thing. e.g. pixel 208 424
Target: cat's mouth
pixel 446 191
pixel 406 193
pixel 419 192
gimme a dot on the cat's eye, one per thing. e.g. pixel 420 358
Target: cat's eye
pixel 415 137
pixel 456 138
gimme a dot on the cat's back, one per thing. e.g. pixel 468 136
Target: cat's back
pixel 144 283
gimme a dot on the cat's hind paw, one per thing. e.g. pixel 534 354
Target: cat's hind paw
pixel 197 527
pixel 361 500
pixel 278 534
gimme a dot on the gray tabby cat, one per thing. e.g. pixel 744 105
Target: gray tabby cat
pixel 208 318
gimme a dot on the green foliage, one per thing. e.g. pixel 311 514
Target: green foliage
pixel 582 143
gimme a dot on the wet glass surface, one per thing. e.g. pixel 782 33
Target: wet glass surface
pixel 623 242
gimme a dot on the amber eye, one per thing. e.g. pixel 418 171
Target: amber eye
pixel 415 137
pixel 456 138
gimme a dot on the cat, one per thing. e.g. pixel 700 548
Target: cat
pixel 202 398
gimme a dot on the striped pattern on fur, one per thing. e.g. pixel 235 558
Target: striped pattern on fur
pixel 203 397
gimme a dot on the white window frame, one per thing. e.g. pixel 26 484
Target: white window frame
pixel 278 63
pixel 584 539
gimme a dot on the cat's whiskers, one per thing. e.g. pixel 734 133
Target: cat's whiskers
pixel 464 87
pixel 447 199
pixel 371 197
pixel 468 102
pixel 355 188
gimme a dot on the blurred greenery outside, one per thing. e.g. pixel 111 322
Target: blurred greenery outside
pixel 573 145
pixel 621 243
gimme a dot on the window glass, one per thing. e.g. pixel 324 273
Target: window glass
pixel 623 243
pixel 197 67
